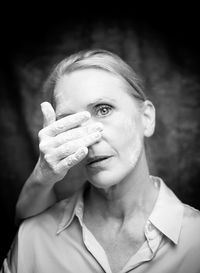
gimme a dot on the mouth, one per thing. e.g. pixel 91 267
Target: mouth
pixel 91 161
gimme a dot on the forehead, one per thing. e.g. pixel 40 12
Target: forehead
pixel 89 78
pixel 85 86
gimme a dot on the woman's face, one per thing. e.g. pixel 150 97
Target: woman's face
pixel 114 158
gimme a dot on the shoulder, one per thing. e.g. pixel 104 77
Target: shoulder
pixel 37 238
pixel 191 217
pixel 189 241
pixel 190 229
pixel 46 221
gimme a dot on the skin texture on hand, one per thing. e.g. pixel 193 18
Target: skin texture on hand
pixel 63 143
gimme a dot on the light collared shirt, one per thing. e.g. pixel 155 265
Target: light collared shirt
pixel 58 241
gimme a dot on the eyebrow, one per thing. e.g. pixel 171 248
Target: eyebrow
pixel 101 100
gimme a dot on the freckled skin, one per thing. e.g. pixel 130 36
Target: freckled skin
pixel 122 135
pixel 133 151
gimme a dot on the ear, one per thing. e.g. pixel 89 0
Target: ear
pixel 148 118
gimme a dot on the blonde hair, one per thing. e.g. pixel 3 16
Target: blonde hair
pixel 96 59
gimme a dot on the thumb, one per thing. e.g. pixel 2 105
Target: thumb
pixel 49 115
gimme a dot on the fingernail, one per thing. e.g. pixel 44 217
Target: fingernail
pixel 95 127
pixel 97 135
pixel 82 151
pixel 86 115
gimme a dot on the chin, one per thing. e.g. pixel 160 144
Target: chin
pixel 106 179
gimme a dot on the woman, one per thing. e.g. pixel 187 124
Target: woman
pixel 123 219
pixel 40 191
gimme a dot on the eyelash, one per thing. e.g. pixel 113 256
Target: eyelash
pixel 99 107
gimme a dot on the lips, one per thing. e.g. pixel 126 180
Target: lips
pixel 95 159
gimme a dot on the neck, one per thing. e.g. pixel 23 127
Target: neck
pixel 129 198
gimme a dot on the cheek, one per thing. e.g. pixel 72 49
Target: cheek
pixel 131 142
pixel 122 135
pixel 120 132
pixel 128 129
pixel 128 125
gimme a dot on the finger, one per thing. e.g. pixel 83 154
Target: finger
pixel 48 112
pixel 73 159
pixel 77 133
pixel 66 123
pixel 73 146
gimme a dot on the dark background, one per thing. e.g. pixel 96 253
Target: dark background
pixel 160 41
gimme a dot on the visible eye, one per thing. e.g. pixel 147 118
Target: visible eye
pixel 103 109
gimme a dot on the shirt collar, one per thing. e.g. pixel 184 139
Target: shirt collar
pixel 168 212
pixel 73 206
pixel 166 216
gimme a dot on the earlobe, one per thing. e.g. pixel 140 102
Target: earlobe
pixel 148 118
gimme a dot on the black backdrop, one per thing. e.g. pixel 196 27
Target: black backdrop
pixel 161 42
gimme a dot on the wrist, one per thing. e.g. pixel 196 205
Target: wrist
pixel 40 178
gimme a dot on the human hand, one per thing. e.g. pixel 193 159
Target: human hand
pixel 63 143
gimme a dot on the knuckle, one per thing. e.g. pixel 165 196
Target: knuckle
pixel 81 153
pixel 59 126
pixel 42 147
pixel 64 138
pixel 70 121
pixel 76 157
pixel 48 159
pixel 40 134
pixel 68 136
pixel 71 161
pixel 66 149
pixel 78 118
